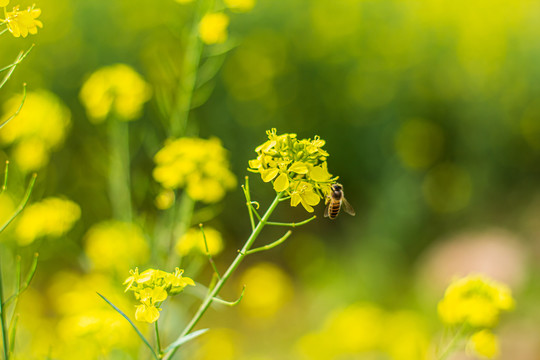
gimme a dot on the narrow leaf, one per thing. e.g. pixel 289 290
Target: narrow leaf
pixel 132 324
pixel 184 339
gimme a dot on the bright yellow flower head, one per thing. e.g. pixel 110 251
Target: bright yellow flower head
pixel 118 89
pixel 213 28
pixel 193 240
pixel 39 128
pixel 200 166
pixel 475 300
pixel 297 167
pixel 115 246
pixel 483 344
pixel 152 287
pixel 240 5
pixel 49 217
pixel 21 23
pixel 4 3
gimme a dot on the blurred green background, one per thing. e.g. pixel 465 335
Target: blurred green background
pixel 431 115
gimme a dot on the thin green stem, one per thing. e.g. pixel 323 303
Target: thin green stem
pixel 292 224
pixel 22 204
pixel 18 109
pixel 12 66
pixel 6 171
pixel 234 265
pixel 119 170
pixel 271 245
pixel 452 344
pixel 3 322
pixel 158 341
pixel 248 202
pixel 210 259
pixel 231 303
pixel 179 224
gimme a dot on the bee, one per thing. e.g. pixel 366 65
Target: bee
pixel 335 200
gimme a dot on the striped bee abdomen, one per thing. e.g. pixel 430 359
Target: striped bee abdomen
pixel 333 209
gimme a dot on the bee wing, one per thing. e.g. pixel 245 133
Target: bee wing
pixel 327 210
pixel 347 207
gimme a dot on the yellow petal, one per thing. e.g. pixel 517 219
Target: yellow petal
pixel 317 173
pixel 269 174
pixel 299 168
pixel 281 183
pixel 311 198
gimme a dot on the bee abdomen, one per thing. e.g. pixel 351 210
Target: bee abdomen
pixel 333 211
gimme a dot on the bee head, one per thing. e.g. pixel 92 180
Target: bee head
pixel 337 187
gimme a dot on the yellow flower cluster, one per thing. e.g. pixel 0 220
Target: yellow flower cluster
pixel 475 300
pixel 49 217
pixel 21 22
pixel 118 89
pixel 40 127
pixel 115 246
pixel 193 240
pixel 151 288
pixel 198 165
pixel 296 167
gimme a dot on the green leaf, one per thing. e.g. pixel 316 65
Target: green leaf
pixel 184 339
pixel 132 324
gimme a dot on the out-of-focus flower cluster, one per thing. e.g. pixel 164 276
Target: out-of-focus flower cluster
pixel 40 128
pixel 193 241
pixel 296 167
pixel 116 89
pixel 364 328
pixel 198 165
pixel 115 246
pixel 476 301
pixel 151 288
pixel 49 217
pixel 21 22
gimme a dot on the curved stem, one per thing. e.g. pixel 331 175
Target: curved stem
pixel 215 291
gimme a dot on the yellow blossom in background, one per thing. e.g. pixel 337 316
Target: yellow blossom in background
pixel 240 5
pixel 116 246
pixel 475 300
pixel 270 288
pixel 49 217
pixel 193 240
pixel 222 344
pixel 7 207
pixel 213 28
pixel 152 287
pixel 483 344
pixel 296 167
pixel 165 199
pixel 22 23
pixel 183 1
pixel 116 89
pixel 198 165
pixel 4 3
pixel 39 128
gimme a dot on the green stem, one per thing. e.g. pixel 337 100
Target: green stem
pixel 119 165
pixel 190 67
pixel 158 342
pixel 3 319
pixel 180 222
pixel 452 344
pixel 271 245
pixel 234 265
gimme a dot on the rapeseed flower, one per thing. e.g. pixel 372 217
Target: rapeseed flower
pixel 49 217
pixel 117 89
pixel 115 246
pixel 193 240
pixel 213 28
pixel 152 287
pixel 22 23
pixel 198 165
pixel 40 127
pixel 475 300
pixel 296 167
pixel 483 344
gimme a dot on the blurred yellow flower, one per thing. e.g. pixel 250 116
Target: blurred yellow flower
pixel 4 3
pixel 199 165
pixel 475 300
pixel 21 23
pixel 114 89
pixel 165 199
pixel 116 246
pixel 483 344
pixel 213 28
pixel 222 344
pixel 183 1
pixel 270 288
pixel 240 5
pixel 39 128
pixel 7 207
pixel 49 217
pixel 193 240
pixel 151 288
